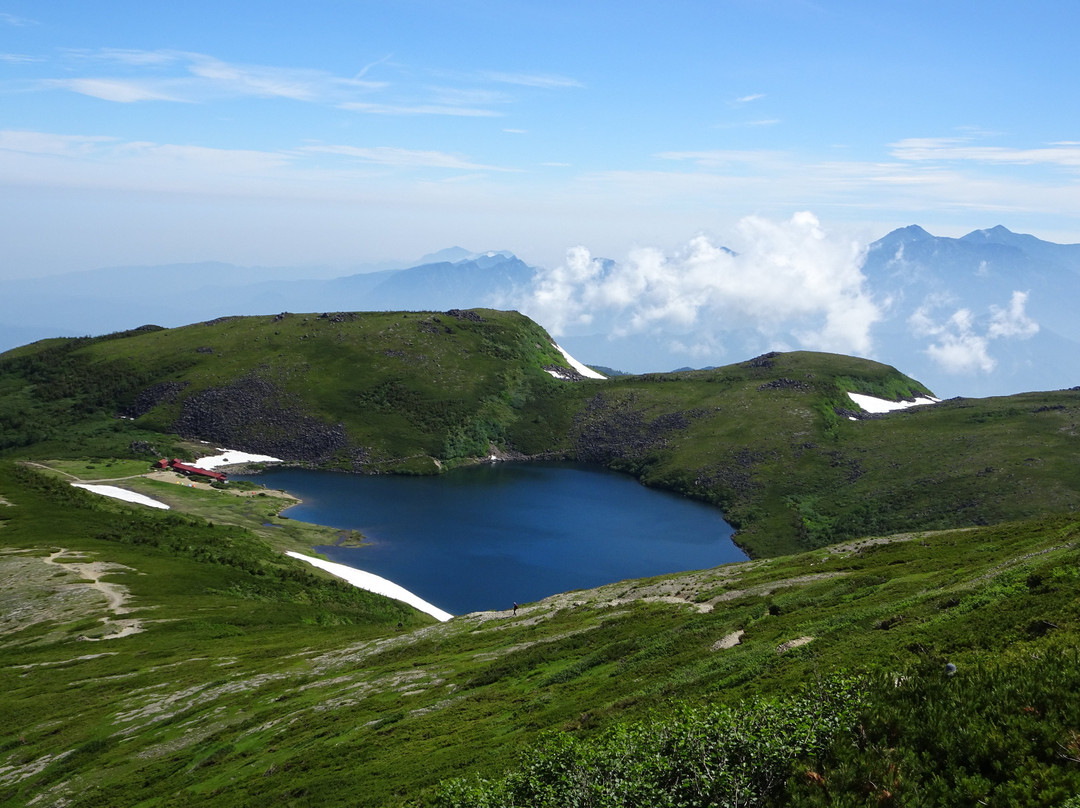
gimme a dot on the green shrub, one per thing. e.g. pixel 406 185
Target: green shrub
pixel 994 733
pixel 696 756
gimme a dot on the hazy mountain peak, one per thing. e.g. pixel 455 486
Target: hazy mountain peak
pixel 449 255
pixel 998 233
pixel 488 254
pixel 455 255
pixel 912 231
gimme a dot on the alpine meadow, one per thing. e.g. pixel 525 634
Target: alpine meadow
pixel 423 404
pixel 905 632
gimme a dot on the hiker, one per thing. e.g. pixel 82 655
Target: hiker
pixel 515 607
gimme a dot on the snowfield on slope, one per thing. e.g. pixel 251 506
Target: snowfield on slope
pixel 116 492
pixel 580 367
pixel 878 405
pixel 374 583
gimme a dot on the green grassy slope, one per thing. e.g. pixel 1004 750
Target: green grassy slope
pixel 374 391
pixel 767 440
pixel 176 658
pixel 770 443
pixel 254 680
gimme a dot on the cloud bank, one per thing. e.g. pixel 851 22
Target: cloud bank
pixel 790 283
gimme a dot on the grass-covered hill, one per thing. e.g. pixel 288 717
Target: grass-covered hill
pixel 768 440
pixel 168 659
pixel 905 637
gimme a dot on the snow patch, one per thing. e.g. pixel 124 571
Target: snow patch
pixel 374 583
pixel 876 405
pixel 583 369
pixel 122 493
pixel 231 458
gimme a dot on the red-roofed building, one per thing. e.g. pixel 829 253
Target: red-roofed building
pixel 190 471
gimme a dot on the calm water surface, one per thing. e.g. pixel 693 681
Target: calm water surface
pixel 486 536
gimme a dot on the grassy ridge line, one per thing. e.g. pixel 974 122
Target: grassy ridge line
pixel 403 384
pixel 244 687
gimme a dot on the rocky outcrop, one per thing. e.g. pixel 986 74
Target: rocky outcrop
pixel 465 314
pixel 857 415
pixel 609 430
pixel 786 384
pixel 763 361
pixel 253 414
pixel 152 396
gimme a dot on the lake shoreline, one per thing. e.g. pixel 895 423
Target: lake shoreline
pixel 493 533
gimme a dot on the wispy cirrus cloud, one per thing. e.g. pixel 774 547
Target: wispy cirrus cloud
pixel 118 90
pixel 130 56
pixel 47 143
pixel 181 76
pixel 1062 153
pixel 715 159
pixel 83 155
pixel 13 20
pixel 419 109
pixel 545 81
pixel 403 158
pixel 133 75
pixel 1036 182
pixel 313 170
pixel 748 124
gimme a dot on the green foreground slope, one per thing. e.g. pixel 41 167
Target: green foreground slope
pixel 769 440
pixel 178 658
pixel 250 679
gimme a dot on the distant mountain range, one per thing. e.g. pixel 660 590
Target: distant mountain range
pixel 989 313
pixel 112 299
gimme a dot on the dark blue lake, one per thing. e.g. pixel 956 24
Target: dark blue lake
pixel 485 536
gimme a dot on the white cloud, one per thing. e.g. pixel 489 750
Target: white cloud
pixel 957 348
pixel 957 345
pixel 791 281
pixel 1012 321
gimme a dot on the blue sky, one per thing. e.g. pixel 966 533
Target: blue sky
pixel 345 132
